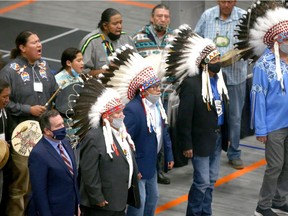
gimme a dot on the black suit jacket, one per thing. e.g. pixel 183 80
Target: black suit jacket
pixel 196 125
pixel 103 178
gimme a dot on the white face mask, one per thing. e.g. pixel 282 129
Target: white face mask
pixel 153 98
pixel 284 48
pixel 117 122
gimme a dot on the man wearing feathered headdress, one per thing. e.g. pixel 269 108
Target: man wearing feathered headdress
pixel 218 24
pixel 267 25
pixel 145 118
pixel 108 170
pixel 150 42
pixel 202 113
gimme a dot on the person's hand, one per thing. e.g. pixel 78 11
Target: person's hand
pixel 95 73
pixel 37 110
pixel 102 204
pixel 188 153
pixel 139 176
pixel 262 139
pixel 78 212
pixel 170 165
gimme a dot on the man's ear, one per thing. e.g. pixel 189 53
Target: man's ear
pixel 68 63
pixel 105 26
pixel 46 131
pixel 22 48
pixel 151 19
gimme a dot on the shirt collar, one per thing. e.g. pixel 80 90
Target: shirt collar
pixel 151 29
pixel 53 143
pixel 214 78
pixel 149 104
pixel 233 15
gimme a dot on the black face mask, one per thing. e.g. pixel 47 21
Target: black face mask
pixel 159 28
pixel 214 68
pixel 113 37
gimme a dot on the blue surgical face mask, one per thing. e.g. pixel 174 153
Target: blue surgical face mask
pixel 74 73
pixel 59 134
pixel 153 98
pixel 284 48
pixel 117 122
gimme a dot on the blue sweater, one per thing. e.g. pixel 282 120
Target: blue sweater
pixel 269 103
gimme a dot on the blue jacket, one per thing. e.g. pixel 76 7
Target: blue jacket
pixel 54 188
pixel 145 142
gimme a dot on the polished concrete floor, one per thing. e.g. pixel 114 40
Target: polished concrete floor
pixel 61 24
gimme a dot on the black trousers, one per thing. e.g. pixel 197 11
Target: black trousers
pixel 87 211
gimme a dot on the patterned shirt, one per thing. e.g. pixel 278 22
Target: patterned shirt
pixel 269 103
pixel 209 25
pixel 147 42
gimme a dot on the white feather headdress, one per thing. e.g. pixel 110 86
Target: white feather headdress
pixel 186 51
pixel 260 28
pixel 94 100
pixel 129 73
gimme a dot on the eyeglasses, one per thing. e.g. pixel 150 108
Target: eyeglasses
pixel 156 86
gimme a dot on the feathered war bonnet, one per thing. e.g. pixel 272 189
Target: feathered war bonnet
pixel 264 25
pixel 129 73
pixel 186 53
pixel 95 102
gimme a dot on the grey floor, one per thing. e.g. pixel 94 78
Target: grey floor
pixel 61 24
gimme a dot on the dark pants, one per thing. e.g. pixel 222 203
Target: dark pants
pixel 87 211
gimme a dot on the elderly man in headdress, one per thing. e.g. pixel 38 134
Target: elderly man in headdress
pixel 136 81
pixel 202 113
pixel 108 170
pixel 267 25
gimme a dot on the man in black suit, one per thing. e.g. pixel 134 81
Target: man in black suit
pixel 53 171
pixel 108 170
pixel 202 113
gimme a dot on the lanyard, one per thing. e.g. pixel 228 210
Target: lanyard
pixel 108 47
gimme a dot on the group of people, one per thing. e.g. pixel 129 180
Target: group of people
pixel 106 141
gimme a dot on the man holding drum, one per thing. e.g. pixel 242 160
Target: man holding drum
pixel 32 85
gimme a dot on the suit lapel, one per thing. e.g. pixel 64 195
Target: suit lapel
pixel 57 157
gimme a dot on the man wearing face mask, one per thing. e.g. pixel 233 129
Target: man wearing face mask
pixel 108 170
pixel 202 112
pixel 53 171
pixel 218 24
pixel 150 41
pixel 269 40
pixel 152 38
pixel 146 121
pixel 148 142
pixel 98 45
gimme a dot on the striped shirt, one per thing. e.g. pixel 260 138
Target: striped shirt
pixel 209 25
